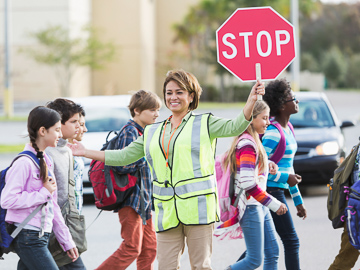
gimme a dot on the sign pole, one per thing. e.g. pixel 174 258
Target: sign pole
pixel 258 77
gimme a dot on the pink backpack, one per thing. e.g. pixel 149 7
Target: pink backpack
pixel 232 206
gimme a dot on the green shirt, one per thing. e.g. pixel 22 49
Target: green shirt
pixel 218 128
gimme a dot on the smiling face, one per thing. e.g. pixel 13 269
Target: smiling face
pixel 82 128
pixel 52 135
pixel 261 121
pixel 177 99
pixel 71 127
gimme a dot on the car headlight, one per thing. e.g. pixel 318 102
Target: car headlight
pixel 327 148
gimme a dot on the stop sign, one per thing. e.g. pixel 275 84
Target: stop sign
pixel 255 35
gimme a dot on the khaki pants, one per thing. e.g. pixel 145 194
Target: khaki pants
pixel 347 256
pixel 171 245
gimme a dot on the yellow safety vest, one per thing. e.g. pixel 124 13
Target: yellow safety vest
pixel 185 191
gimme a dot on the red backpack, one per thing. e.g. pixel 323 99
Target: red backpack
pixel 110 187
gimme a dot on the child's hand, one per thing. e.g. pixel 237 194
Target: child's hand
pixel 282 210
pixel 273 168
pixel 50 184
pixel 73 254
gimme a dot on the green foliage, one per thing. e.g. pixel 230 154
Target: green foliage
pixel 308 62
pixel 332 38
pixel 353 74
pixel 13 148
pixel 58 50
pixel 334 66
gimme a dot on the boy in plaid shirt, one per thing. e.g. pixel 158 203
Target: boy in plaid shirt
pixel 137 228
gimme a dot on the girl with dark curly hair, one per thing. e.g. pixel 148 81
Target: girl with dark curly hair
pixel 283 104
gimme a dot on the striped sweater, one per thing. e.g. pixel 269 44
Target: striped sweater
pixel 247 177
pixel 270 141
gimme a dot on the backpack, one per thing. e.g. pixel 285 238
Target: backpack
pixel 339 188
pixel 228 200
pixel 352 215
pixel 281 147
pixel 110 187
pixel 8 231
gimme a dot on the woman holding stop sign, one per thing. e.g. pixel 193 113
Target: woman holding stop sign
pixel 180 152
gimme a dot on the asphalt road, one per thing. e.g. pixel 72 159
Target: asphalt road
pixel 319 243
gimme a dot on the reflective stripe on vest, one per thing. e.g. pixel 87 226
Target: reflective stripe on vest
pixel 185 189
pixel 147 152
pixel 195 144
pixel 190 194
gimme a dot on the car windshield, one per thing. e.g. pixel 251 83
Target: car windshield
pixel 106 119
pixel 312 113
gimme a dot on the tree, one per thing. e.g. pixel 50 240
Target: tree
pixel 334 66
pixel 65 54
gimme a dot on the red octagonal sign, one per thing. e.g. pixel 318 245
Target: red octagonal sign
pixel 255 35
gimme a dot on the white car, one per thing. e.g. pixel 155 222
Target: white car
pixel 102 114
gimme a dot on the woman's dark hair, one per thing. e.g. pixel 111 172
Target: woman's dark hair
pixel 41 117
pixel 186 81
pixel 276 94
pixel 66 107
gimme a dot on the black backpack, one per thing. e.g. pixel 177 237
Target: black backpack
pixel 339 189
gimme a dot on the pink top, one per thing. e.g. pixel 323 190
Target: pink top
pixel 24 192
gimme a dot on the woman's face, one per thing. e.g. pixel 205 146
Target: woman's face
pixel 177 99
pixel 291 105
pixel 261 121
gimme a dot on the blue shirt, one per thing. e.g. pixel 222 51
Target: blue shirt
pixel 270 141
pixel 130 134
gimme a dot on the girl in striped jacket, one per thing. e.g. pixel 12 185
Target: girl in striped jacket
pixel 248 160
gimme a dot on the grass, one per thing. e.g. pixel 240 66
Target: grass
pixel 12 148
pixel 220 105
pixel 13 119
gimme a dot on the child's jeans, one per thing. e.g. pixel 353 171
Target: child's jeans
pixel 33 251
pixel 260 238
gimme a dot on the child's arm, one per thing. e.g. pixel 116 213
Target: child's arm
pixel 14 195
pixel 246 164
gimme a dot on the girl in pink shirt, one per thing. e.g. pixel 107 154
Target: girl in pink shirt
pixel 27 187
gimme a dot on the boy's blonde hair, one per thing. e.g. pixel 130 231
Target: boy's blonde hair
pixel 143 100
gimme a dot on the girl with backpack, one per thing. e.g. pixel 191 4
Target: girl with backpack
pixel 27 187
pixel 283 104
pixel 248 161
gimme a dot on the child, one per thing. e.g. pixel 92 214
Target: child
pixel 62 156
pixel 79 164
pixel 139 240
pixel 247 158
pixel 27 187
pixel 282 103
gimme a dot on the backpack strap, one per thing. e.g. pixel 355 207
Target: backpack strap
pixel 281 147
